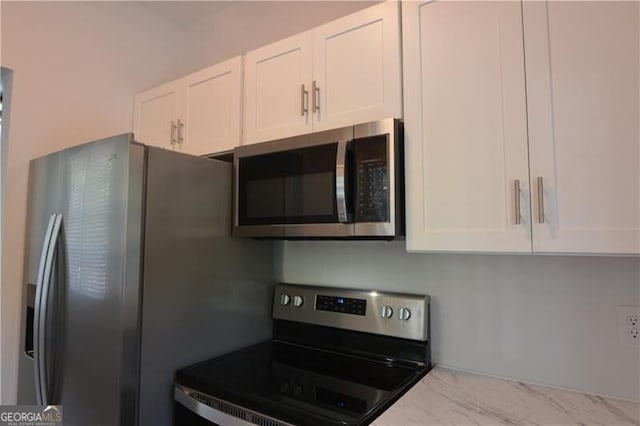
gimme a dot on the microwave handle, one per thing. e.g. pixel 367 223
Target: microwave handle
pixel 341 196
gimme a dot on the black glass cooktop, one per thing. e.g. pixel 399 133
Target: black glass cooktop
pixel 301 385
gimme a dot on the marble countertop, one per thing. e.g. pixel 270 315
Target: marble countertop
pixel 449 397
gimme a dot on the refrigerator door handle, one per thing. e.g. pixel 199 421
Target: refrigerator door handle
pixel 41 308
pixel 38 306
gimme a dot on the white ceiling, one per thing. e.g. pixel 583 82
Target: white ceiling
pixel 185 13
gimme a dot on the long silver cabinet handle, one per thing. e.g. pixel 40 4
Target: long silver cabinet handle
pixel 180 127
pixel 39 306
pixel 39 356
pixel 304 100
pixel 516 191
pixel 174 127
pixel 315 103
pixel 341 197
pixel 540 200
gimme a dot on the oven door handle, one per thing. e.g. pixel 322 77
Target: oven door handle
pixel 341 190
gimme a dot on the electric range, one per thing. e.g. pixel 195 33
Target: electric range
pixel 337 357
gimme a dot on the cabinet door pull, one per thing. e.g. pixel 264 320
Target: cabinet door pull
pixel 316 97
pixel 304 101
pixel 516 190
pixel 173 132
pixel 540 200
pixel 180 127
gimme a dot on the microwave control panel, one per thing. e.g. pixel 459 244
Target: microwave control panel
pixel 372 179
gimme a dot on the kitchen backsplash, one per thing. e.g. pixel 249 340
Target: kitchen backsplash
pixel 543 319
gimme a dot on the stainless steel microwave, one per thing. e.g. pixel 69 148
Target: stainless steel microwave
pixel 342 183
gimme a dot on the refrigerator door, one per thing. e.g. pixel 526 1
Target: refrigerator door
pixel 102 182
pixel 204 293
pixel 96 202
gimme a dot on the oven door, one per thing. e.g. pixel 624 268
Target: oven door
pixel 293 188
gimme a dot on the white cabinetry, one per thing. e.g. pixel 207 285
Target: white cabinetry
pixel 277 85
pixel 155 115
pixel 583 93
pixel 198 114
pixel 213 108
pixel 341 73
pixel 465 127
pixel 357 68
pixel 469 145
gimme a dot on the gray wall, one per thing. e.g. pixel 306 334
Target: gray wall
pixel 543 319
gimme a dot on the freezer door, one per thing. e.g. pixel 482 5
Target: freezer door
pixel 44 201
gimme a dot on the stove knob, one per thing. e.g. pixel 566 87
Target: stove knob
pixel 386 311
pixel 297 301
pixel 404 314
pixel 285 299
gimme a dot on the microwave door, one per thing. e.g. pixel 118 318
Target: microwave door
pixel 293 193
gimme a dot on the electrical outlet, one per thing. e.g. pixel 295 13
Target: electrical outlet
pixel 629 325
pixel 633 320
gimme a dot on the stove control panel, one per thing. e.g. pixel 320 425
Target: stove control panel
pixel 343 305
pixel 386 313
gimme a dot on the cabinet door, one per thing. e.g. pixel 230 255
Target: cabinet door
pixel 583 91
pixel 465 127
pixel 357 69
pixel 155 115
pixel 212 108
pixel 275 104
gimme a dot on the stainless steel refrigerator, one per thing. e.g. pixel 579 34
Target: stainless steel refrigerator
pixel 131 273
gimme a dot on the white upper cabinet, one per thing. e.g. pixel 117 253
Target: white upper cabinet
pixel 277 86
pixel 198 114
pixel 474 130
pixel 155 115
pixel 465 127
pixel 357 68
pixel 583 93
pixel 213 108
pixel 345 72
